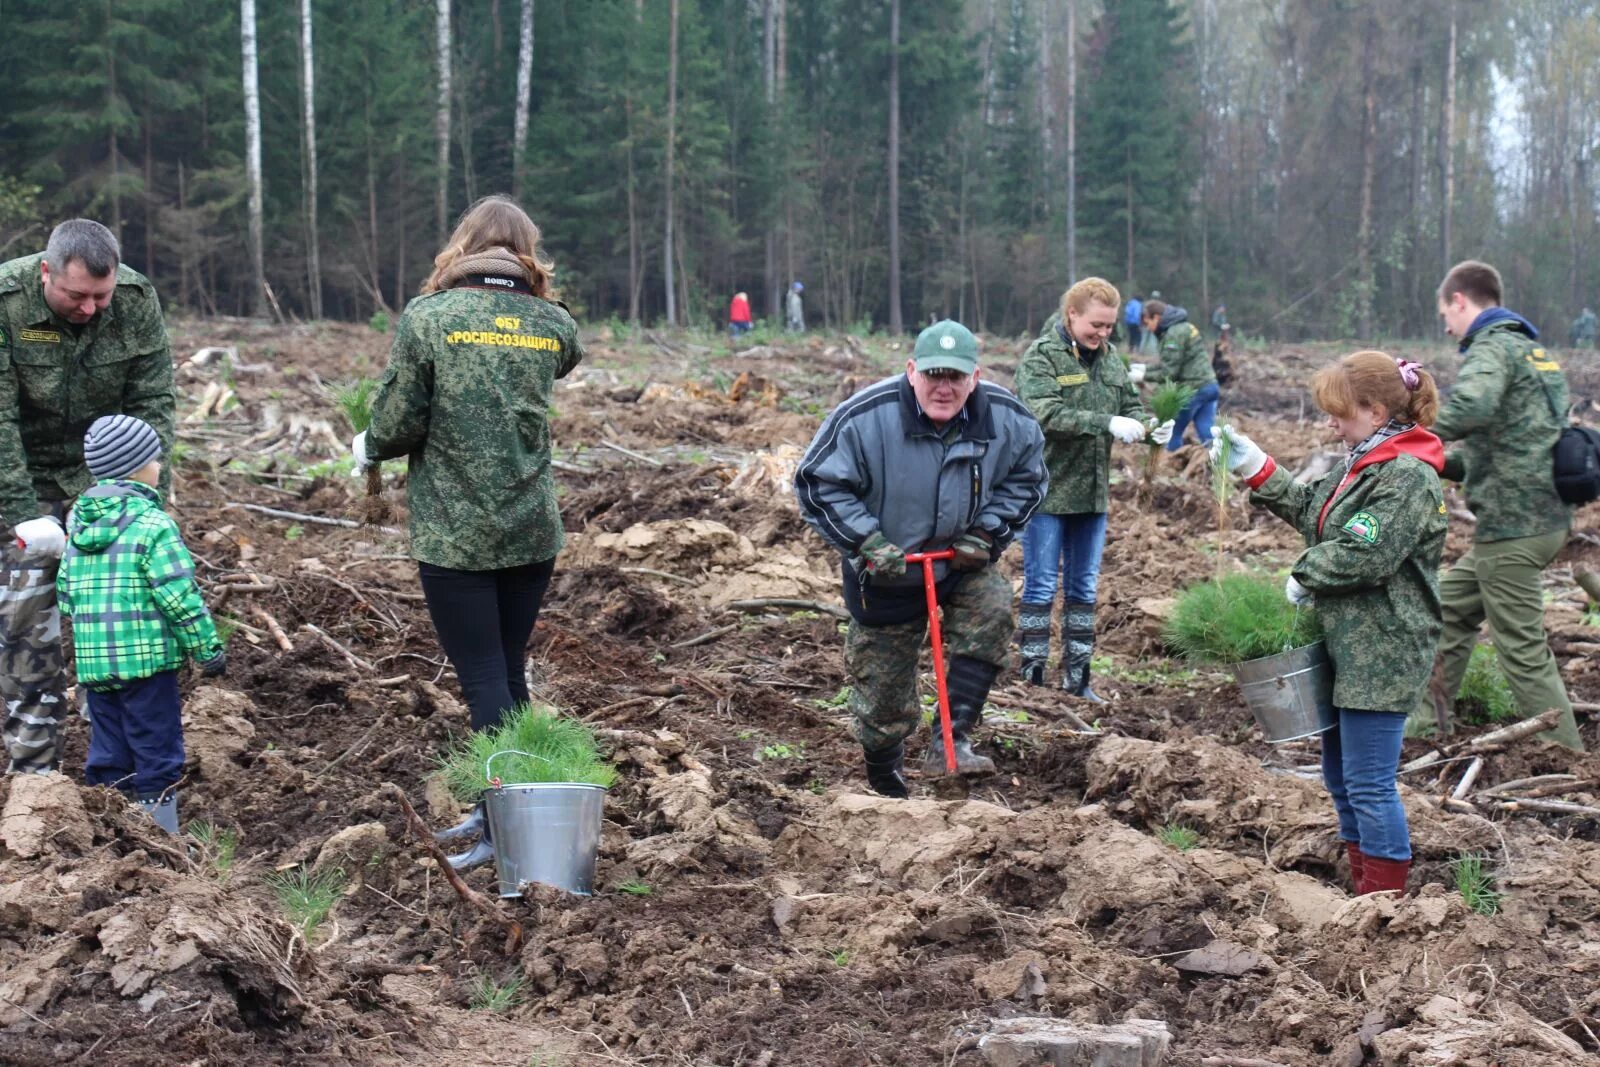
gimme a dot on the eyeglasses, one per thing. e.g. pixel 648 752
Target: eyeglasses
pixel 945 374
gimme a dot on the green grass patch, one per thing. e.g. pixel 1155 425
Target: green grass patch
pixel 1237 617
pixel 497 997
pixel 1485 697
pixel 840 958
pixel 307 897
pixel 216 848
pixel 539 746
pixel 636 888
pixel 1179 837
pixel 1475 883
pixel 781 751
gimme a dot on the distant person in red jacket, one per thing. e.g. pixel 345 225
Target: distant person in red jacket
pixel 739 314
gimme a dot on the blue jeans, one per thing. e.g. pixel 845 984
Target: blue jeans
pixel 1203 410
pixel 1360 762
pixel 136 736
pixel 1064 549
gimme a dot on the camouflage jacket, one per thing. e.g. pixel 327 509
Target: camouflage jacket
pixel 1184 358
pixel 58 378
pixel 1376 534
pixel 1504 410
pixel 1074 399
pixel 467 397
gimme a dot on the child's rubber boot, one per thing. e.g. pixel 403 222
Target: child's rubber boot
pixel 163 808
pixel 471 826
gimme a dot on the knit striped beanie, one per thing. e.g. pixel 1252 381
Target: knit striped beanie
pixel 118 445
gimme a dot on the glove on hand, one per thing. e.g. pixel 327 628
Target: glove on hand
pixel 1295 592
pixel 358 449
pixel 43 536
pixel 216 666
pixel 882 556
pixel 1136 373
pixel 1126 430
pixel 1246 458
pixel 1160 435
pixel 974 551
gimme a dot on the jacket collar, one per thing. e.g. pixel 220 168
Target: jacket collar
pixel 977 423
pixel 1416 442
pixel 1079 353
pixel 1496 316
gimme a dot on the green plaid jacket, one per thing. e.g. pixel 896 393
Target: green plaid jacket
pixel 127 583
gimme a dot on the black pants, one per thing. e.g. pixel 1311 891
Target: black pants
pixel 483 619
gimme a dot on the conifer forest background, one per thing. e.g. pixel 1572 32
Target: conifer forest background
pixel 1315 164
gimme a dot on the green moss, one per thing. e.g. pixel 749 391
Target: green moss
pixel 1237 617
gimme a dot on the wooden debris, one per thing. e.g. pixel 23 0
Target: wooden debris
pixel 350 657
pixel 317 520
pixel 274 629
pixel 762 603
pixel 1467 779
pixel 1550 807
pixel 1516 731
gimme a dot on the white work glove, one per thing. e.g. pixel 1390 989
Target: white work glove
pixel 1126 430
pixel 1136 373
pixel 1160 435
pixel 358 449
pixel 43 536
pixel 1247 458
pixel 1295 592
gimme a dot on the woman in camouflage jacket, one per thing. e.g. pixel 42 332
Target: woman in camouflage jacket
pixel 1375 528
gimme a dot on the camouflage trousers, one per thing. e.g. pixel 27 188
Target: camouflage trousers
pixel 882 660
pixel 33 674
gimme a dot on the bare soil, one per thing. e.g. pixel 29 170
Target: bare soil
pixel 754 904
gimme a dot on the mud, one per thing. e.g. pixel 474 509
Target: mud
pixel 754 905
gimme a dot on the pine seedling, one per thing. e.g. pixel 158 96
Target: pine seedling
pixel 354 400
pixel 1221 488
pixel 1485 696
pixel 636 888
pixel 1237 617
pixel 216 846
pixel 532 744
pixel 1475 883
pixel 307 897
pixel 1168 399
pixel 497 997
pixel 1179 837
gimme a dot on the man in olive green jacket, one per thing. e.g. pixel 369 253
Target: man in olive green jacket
pixel 81 336
pixel 1507 408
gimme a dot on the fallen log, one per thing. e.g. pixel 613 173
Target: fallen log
pixel 274 629
pixel 350 657
pixel 1517 785
pixel 1516 731
pixel 1473 769
pixel 1549 807
pixel 763 603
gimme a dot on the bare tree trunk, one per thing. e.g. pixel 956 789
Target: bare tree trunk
pixel 113 185
pixel 782 49
pixel 150 196
pixel 519 128
pixel 896 323
pixel 1447 145
pixel 1047 106
pixel 1129 206
pixel 1072 143
pixel 769 65
pixel 635 245
pixel 252 153
pixel 672 136
pixel 308 85
pixel 441 119
pixel 1367 281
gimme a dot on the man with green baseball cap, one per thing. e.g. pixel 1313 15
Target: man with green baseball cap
pixel 927 460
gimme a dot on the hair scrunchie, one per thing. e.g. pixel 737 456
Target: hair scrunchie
pixel 1408 373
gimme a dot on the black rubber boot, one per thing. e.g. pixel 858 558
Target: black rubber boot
pixel 884 771
pixel 968 684
pixel 1077 639
pixel 1033 641
pixel 481 852
pixel 471 826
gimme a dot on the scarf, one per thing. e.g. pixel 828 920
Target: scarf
pixel 489 261
pixel 1378 437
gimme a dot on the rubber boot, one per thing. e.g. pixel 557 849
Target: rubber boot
pixel 163 808
pixel 1384 876
pixel 481 852
pixel 1357 863
pixel 884 775
pixel 1033 641
pixel 1077 639
pixel 968 686
pixel 471 826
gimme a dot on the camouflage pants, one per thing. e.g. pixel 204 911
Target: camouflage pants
pixel 33 675
pixel 882 660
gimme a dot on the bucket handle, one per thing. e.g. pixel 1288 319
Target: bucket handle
pixel 506 752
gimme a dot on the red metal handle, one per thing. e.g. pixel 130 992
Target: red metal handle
pixel 936 638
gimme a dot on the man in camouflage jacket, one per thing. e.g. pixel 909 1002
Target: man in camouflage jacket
pixel 81 335
pixel 1507 408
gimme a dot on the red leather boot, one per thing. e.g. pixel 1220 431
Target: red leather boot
pixel 1384 876
pixel 1357 863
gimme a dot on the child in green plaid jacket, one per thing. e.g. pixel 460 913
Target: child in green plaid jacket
pixel 127 583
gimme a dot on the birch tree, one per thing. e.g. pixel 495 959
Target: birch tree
pixel 896 323
pixel 309 133
pixel 668 240
pixel 519 135
pixel 441 118
pixel 252 154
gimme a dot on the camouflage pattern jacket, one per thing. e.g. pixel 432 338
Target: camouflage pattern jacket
pixel 1376 534
pixel 1184 358
pixel 127 583
pixel 1073 394
pixel 58 378
pixel 466 397
pixel 1503 409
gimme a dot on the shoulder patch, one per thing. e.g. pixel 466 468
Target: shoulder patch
pixel 1364 526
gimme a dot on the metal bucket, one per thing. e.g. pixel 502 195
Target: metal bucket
pixel 1290 694
pixel 547 832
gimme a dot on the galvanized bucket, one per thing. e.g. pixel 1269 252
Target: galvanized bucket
pixel 545 832
pixel 1290 694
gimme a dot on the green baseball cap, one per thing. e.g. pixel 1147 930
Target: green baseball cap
pixel 946 345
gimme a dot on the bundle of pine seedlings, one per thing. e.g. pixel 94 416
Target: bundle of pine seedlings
pixel 1168 399
pixel 533 744
pixel 1237 617
pixel 355 401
